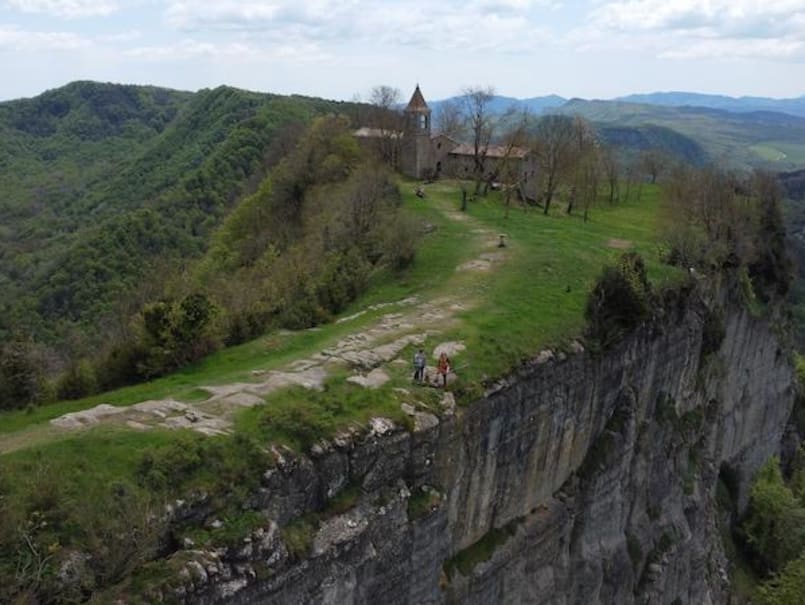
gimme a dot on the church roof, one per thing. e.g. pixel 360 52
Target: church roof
pixel 417 102
pixel 492 151
pixel 365 132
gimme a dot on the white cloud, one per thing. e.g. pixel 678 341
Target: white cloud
pixel 120 37
pixel 696 29
pixel 66 8
pixel 192 49
pixel 503 25
pixel 751 17
pixel 730 48
pixel 14 39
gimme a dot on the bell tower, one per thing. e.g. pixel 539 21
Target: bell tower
pixel 416 151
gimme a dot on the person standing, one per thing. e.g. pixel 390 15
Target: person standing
pixel 419 366
pixel 443 368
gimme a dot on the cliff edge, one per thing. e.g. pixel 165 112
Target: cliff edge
pixel 582 478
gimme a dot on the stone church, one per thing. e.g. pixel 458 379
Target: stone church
pixel 423 155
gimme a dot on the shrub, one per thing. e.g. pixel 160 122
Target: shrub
pixel 785 588
pixel 620 300
pixel 78 381
pixel 298 535
pixel 774 527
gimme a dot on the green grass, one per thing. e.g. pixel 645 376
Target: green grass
pixel 229 365
pixel 784 154
pixel 768 153
pixel 466 560
pixel 538 298
pixel 534 299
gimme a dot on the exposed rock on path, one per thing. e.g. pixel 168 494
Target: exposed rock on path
pixel 369 350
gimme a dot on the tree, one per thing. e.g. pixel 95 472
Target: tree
pixel 611 169
pixel 480 125
pixel 772 268
pixel 21 375
pixel 785 588
pixel 450 119
pixel 553 146
pixel 583 167
pixel 509 168
pixel 774 527
pixel 652 162
pixel 386 118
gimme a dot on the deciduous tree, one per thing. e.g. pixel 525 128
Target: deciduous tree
pixel 553 145
pixel 480 124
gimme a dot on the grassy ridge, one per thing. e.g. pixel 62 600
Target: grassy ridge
pixel 534 299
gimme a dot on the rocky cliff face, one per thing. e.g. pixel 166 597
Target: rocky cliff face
pixel 581 479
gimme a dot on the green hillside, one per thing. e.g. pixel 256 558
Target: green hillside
pixel 738 140
pixel 102 183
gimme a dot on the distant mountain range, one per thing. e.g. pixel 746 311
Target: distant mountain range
pixel 734 104
pixel 795 106
pixel 500 104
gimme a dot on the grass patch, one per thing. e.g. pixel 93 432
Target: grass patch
pixel 423 502
pixel 193 395
pixel 298 417
pixel 466 560
pixel 298 535
pixel 538 298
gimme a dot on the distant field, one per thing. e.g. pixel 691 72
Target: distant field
pixel 734 140
pixel 768 153
pixel 786 154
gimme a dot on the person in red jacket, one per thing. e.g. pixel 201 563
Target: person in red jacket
pixel 443 367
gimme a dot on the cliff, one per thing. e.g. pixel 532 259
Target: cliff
pixel 582 478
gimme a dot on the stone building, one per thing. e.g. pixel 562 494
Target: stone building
pixel 421 154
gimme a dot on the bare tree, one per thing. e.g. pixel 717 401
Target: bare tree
pixel 653 162
pixel 553 146
pixel 582 162
pixel 450 119
pixel 611 169
pixel 386 118
pixel 509 169
pixel 477 100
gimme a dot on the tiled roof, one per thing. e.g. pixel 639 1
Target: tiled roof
pixel 493 151
pixel 371 133
pixel 417 102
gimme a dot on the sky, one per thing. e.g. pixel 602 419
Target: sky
pixel 340 49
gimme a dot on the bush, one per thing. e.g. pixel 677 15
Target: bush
pixel 785 588
pixel 175 334
pixel 774 527
pixel 304 423
pixel 78 381
pixel 619 302
pixel 21 376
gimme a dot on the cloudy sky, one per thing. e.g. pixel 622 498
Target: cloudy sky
pixel 341 48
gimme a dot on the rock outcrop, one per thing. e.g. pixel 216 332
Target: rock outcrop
pixel 583 478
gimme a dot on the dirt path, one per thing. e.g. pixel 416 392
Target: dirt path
pixel 366 354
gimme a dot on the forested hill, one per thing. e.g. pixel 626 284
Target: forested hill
pixel 104 186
